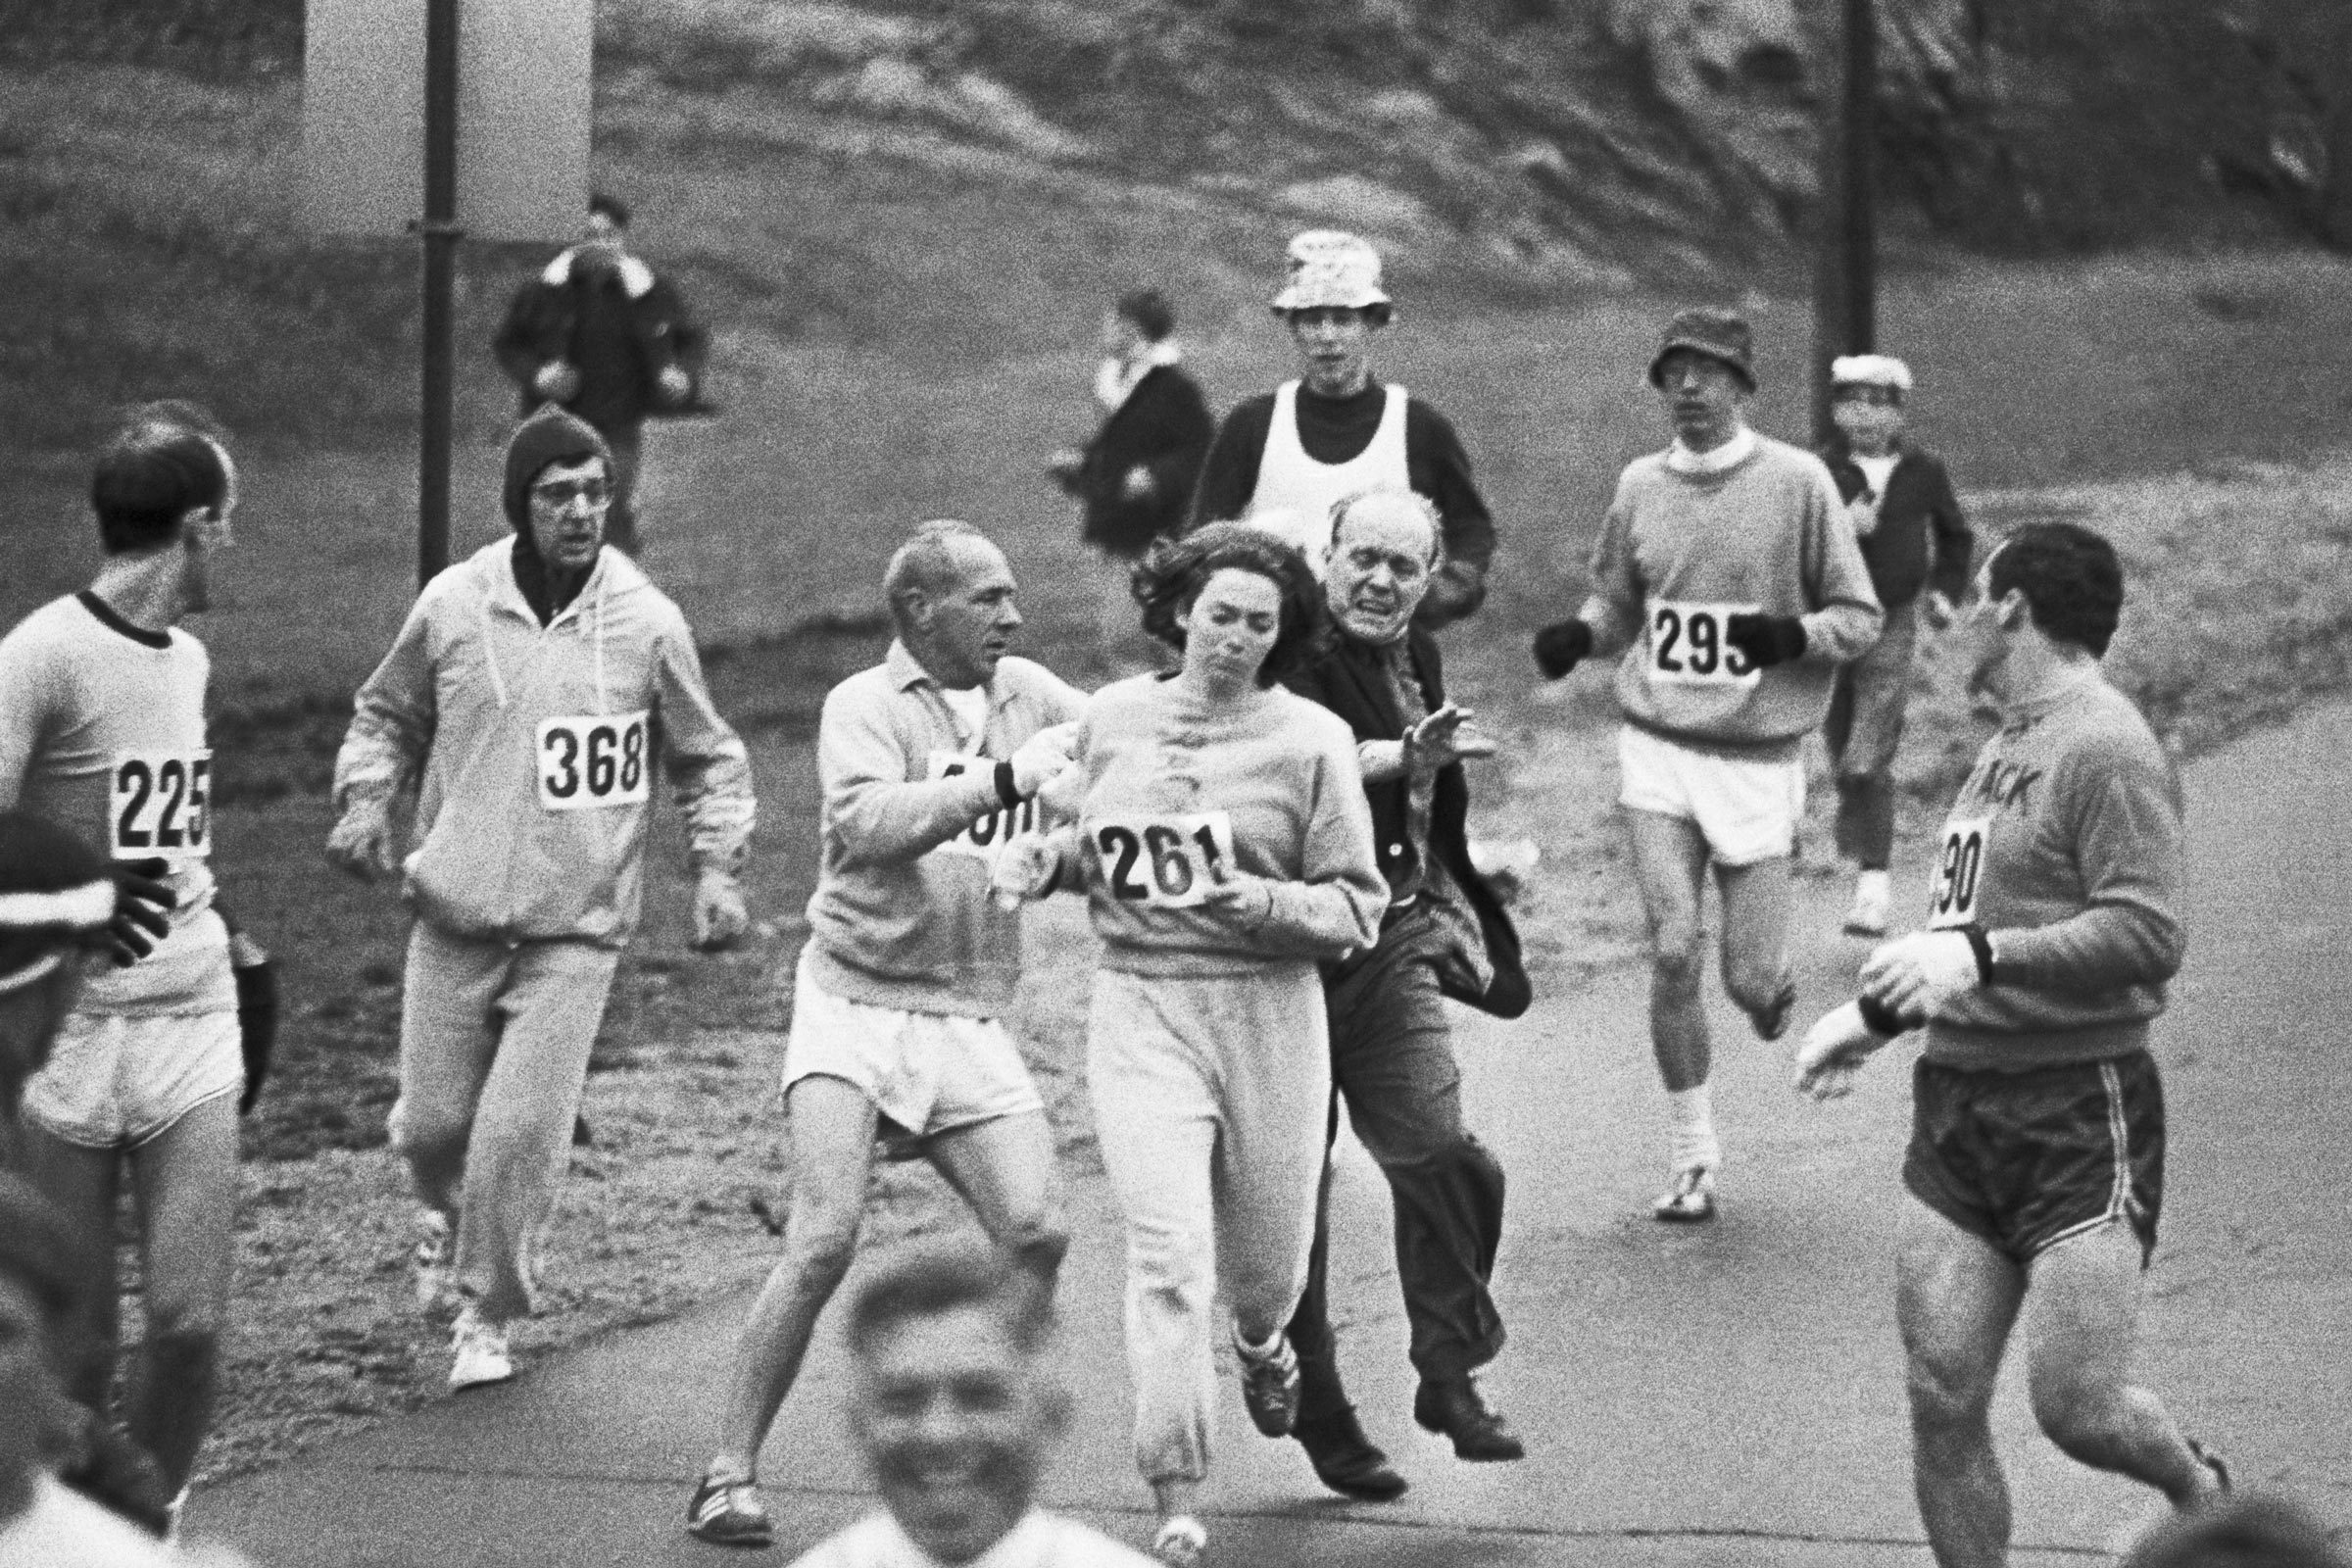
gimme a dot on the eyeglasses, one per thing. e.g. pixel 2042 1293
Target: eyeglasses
pixel 558 497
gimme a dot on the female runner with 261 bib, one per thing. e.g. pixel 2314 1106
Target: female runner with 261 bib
pixel 1226 848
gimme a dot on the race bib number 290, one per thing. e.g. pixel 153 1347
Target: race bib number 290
pixel 593 762
pixel 1171 862
pixel 161 806
pixel 1959 873
pixel 1688 646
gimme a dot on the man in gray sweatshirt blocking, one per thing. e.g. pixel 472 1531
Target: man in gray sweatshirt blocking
pixel 2035 1168
pixel 930 763
pixel 1729 576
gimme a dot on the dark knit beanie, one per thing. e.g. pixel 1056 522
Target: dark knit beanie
pixel 51 885
pixel 550 435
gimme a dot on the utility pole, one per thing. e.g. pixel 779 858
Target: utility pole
pixel 1845 247
pixel 440 234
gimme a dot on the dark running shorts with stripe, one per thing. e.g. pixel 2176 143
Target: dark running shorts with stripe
pixel 2028 1159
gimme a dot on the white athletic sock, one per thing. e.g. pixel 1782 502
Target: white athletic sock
pixel 1873 885
pixel 1694 1114
pixel 1256 1352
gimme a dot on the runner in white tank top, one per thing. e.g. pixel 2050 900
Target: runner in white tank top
pixel 102 729
pixel 1294 492
pixel 1282 459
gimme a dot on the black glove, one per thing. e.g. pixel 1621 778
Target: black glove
pixel 257 1022
pixel 1561 645
pixel 1766 640
pixel 114 1472
pixel 143 902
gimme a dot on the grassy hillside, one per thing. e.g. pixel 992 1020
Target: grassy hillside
pixel 940 181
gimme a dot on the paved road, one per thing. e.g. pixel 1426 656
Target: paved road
pixel 1714 1396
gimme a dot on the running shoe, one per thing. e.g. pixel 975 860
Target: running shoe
pixel 1770 1021
pixel 1182 1541
pixel 429 1264
pixel 1269 1384
pixel 1689 1198
pixel 479 1350
pixel 1868 915
pixel 726 1511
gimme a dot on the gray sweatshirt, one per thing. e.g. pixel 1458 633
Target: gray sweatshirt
pixel 902 917
pixel 1679 552
pixel 1268 786
pixel 2064 846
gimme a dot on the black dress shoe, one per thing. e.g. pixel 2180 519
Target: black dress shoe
pixel 1346 1460
pixel 1458 1410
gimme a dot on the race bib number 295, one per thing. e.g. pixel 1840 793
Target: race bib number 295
pixel 1688 648
pixel 593 762
pixel 1170 862
pixel 161 806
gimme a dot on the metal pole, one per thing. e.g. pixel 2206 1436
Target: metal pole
pixel 1844 239
pixel 1861 122
pixel 440 234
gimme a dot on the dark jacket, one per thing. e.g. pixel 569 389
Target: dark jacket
pixel 1353 681
pixel 1919 505
pixel 1164 425
pixel 620 328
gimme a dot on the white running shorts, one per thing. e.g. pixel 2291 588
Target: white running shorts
pixel 116 1080
pixel 1746 808
pixel 928 1072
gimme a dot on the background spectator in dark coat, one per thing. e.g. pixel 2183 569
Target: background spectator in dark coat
pixel 598 332
pixel 1135 477
pixel 1913 536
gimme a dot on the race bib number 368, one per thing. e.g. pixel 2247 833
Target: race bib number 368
pixel 1688 648
pixel 161 806
pixel 1959 873
pixel 1169 862
pixel 592 762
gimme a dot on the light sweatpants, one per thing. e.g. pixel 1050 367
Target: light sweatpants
pixel 494 1044
pixel 1210 1100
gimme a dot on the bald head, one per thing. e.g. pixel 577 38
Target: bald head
pixel 1385 545
pixel 950 596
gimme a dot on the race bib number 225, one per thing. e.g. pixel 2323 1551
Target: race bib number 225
pixel 161 806
pixel 592 762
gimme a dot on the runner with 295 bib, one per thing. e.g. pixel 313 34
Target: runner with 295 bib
pixel 1727 574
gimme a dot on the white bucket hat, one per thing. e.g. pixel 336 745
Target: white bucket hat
pixel 1330 269
pixel 1870 370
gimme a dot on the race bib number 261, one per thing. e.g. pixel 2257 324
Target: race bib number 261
pixel 1688 648
pixel 1170 862
pixel 593 762
pixel 161 806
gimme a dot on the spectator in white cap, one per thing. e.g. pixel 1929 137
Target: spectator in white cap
pixel 1283 459
pixel 1914 536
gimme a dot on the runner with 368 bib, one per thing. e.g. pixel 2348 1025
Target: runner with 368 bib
pixel 1729 576
pixel 522 700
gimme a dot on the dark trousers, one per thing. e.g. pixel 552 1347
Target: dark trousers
pixel 1392 1060
pixel 1863 729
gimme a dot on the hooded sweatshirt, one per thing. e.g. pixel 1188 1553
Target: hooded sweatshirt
pixel 535 746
